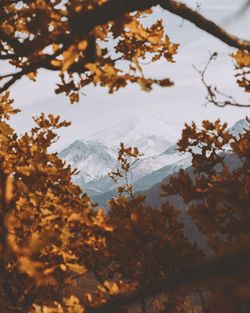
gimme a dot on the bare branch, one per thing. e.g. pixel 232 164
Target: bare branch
pixel 42 63
pixel 113 9
pixel 7 56
pixel 213 92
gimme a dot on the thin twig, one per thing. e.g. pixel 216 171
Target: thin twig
pixel 213 92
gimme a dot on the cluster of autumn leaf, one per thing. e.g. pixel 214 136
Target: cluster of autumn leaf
pixel 91 42
pixel 61 254
pixel 53 240
pixel 242 59
pixel 67 36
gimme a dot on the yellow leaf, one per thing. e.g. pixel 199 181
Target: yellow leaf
pixel 63 267
pixel 89 297
pixel 56 63
pixel 73 305
pixel 32 76
pixel 9 29
pixel 28 266
pixel 82 45
pixel 113 287
pixel 5 129
pixel 69 57
pixel 134 217
pixel 9 189
pixel 77 268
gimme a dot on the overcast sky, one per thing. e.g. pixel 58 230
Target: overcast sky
pixel 178 104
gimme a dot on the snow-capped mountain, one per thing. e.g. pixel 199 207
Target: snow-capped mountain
pixel 96 157
pixel 151 164
pixel 239 127
pixel 144 183
pixel 150 134
pixel 92 159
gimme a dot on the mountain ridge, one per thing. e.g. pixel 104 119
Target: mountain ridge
pixel 97 156
pixel 95 159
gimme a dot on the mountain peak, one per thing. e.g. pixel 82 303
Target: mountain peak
pixel 239 127
pixel 150 134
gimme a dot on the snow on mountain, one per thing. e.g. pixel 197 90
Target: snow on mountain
pixel 146 182
pixel 96 157
pixel 150 134
pixel 154 163
pixel 92 159
pixel 154 137
pixel 239 127
pixel 156 176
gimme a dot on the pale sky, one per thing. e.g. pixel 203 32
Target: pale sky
pixel 176 105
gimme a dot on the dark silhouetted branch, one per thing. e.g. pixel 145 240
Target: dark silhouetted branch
pixel 231 266
pixel 203 23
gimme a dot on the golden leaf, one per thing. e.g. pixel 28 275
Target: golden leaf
pixel 32 76
pixel 134 217
pixel 77 268
pixel 82 45
pixel 9 188
pixel 63 267
pixel 69 57
pixel 73 305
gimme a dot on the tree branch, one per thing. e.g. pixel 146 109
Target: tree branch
pixel 114 9
pixel 203 23
pixel 226 266
pixel 83 23
pixel 214 95
pixel 42 63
